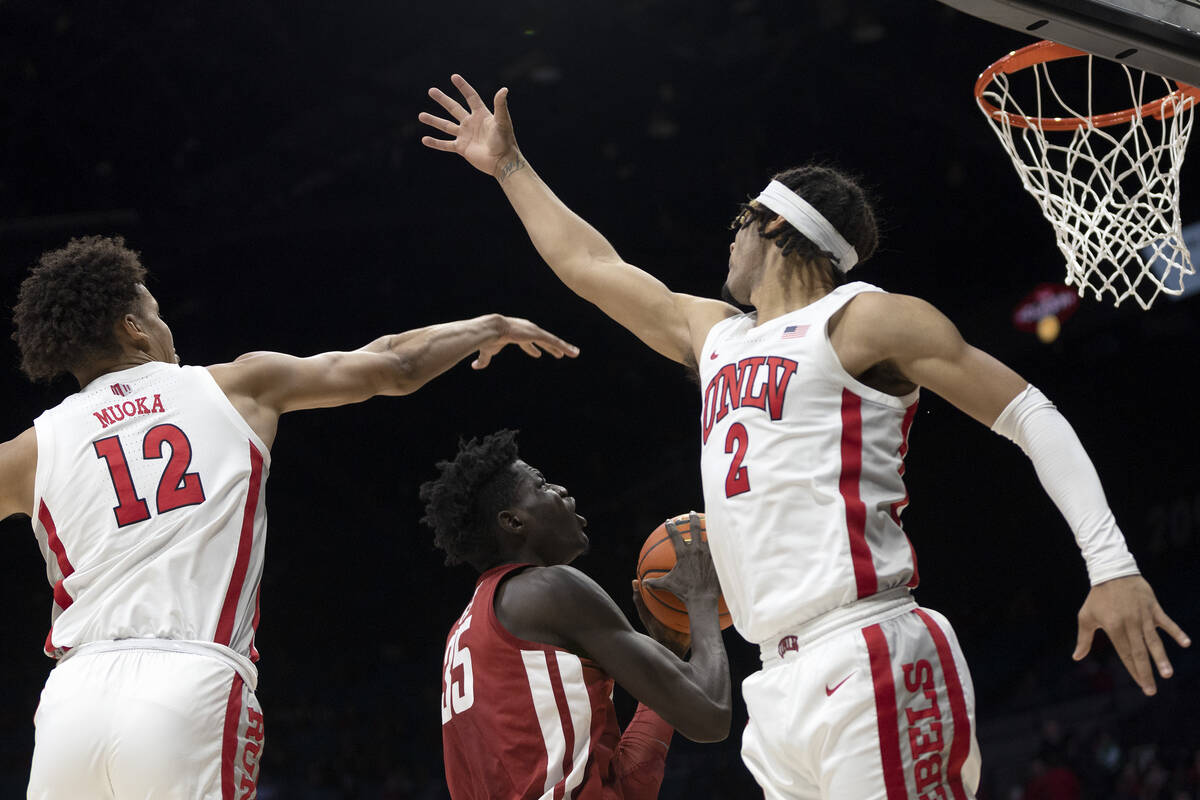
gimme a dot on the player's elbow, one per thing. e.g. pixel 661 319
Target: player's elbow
pixel 710 721
pixel 399 373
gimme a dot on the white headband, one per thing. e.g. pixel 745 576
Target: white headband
pixel 806 219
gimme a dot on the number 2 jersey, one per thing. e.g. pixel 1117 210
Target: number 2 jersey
pixel 803 471
pixel 523 720
pixel 148 508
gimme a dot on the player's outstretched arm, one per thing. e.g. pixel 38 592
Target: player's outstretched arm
pixel 928 350
pixel 264 385
pixel 673 324
pixel 693 696
pixel 18 465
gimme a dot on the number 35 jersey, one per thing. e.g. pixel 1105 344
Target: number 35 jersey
pixel 148 508
pixel 523 720
pixel 803 471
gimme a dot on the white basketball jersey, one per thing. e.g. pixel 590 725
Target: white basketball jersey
pixel 803 471
pixel 148 508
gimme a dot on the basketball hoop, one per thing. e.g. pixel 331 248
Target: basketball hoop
pixel 1107 182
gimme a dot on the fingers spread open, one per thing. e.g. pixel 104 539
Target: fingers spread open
pixel 468 92
pixel 676 537
pixel 449 103
pixel 446 145
pixel 531 349
pixel 443 125
pixel 1167 624
pixel 1157 651
pixel 1137 655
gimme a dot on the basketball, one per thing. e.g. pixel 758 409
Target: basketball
pixel 657 558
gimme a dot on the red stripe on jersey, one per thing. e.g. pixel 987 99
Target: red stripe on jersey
pixel 241 562
pixel 848 483
pixel 229 741
pixel 960 744
pixel 61 598
pixel 564 718
pixel 886 715
pixel 60 554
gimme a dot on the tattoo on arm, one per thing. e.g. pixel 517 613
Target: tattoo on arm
pixel 515 165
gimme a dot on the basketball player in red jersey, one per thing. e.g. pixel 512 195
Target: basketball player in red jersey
pixel 527 708
pixel 146 494
pixel 808 402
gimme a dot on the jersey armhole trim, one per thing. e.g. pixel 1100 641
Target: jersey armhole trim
pixel 847 380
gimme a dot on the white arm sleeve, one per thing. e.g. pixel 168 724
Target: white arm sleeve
pixel 1068 476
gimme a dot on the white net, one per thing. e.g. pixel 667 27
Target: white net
pixel 1110 191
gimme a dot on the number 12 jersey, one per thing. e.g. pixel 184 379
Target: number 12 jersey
pixel 148 508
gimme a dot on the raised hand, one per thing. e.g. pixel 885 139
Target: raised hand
pixel 529 337
pixel 484 139
pixel 694 574
pixel 1127 610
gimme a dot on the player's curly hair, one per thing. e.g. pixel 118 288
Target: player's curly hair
pixel 461 504
pixel 840 200
pixel 68 304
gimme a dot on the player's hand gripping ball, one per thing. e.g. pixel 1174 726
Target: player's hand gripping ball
pixel 657 558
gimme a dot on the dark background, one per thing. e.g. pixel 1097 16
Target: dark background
pixel 265 159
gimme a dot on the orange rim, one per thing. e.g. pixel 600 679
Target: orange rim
pixel 1043 53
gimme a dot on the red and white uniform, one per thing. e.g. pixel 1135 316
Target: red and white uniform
pixel 148 508
pixel 523 720
pixel 803 484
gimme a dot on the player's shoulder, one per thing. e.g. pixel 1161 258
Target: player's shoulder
pixel 560 583
pixel 249 371
pixel 553 594
pixel 885 314
pixel 551 605
pixel 881 326
pixel 875 300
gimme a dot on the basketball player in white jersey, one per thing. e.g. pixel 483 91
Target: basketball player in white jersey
pixel 807 406
pixel 146 492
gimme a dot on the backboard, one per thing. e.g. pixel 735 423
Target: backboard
pixel 1158 36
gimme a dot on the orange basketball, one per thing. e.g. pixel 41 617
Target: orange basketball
pixel 657 558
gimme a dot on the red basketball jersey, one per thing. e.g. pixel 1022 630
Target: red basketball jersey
pixel 521 719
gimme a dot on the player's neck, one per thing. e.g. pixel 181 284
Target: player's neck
pixel 90 372
pixel 786 287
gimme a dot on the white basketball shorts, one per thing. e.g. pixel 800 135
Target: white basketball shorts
pixel 136 724
pixel 881 709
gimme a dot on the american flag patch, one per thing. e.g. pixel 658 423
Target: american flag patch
pixel 794 331
pixel 120 389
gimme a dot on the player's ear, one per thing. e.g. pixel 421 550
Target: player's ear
pixel 129 329
pixel 510 521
